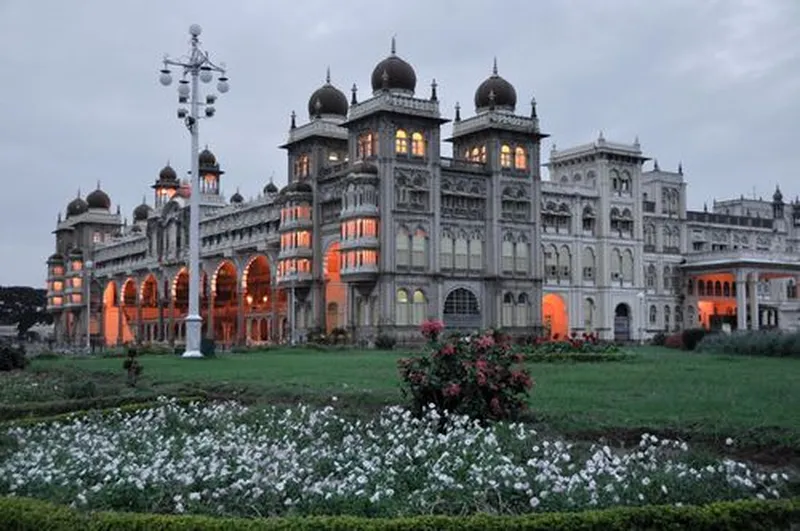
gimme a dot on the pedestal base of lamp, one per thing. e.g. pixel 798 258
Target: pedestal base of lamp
pixel 194 325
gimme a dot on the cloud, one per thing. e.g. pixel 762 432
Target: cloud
pixel 713 84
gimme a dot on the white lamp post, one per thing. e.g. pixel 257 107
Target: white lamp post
pixel 87 269
pixel 196 65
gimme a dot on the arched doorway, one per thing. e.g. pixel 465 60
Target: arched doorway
pixel 257 286
pixel 461 309
pixel 622 322
pixel 111 314
pixel 130 301
pixel 554 316
pixel 180 304
pixel 148 299
pixel 226 302
pixel 335 295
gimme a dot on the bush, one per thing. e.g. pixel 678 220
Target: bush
pixel 12 357
pixel 208 347
pixel 584 343
pixel 81 390
pixel 385 341
pixel 132 366
pixel 772 343
pixel 478 376
pixel 692 336
pixel 674 341
pixel 659 339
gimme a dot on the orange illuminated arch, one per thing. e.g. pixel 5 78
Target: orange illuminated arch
pixel 555 316
pixel 129 293
pixel 110 294
pixel 148 291
pixel 335 295
pixel 256 281
pixel 224 283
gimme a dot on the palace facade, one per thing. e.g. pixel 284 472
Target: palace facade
pixel 377 231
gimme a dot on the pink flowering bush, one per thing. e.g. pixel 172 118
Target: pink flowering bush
pixel 479 376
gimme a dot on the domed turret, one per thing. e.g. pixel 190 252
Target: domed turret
pixel 167 173
pixel 206 158
pixel 393 73
pixel 777 197
pixel 77 206
pixel 495 93
pixel 98 199
pixel 327 101
pixel 141 212
pixel 237 198
pixel 270 188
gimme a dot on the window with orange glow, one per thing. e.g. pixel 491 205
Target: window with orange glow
pixel 417 145
pixel 58 271
pixel 76 298
pixel 401 142
pixel 303 239
pixel 475 154
pixel 520 158
pixel 505 156
pixel 77 265
pixel 97 237
pixel 76 282
pixel 58 301
pixel 302 165
pixel 367 145
pixel 58 285
pixel 483 154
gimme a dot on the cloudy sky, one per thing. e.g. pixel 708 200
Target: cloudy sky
pixel 714 84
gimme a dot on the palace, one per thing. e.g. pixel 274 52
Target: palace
pixel 377 231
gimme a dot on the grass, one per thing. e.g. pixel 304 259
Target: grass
pixel 753 400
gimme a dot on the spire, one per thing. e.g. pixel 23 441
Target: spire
pixel 636 143
pixel 494 66
pixel 458 112
pixel 533 108
pixel 680 168
pixel 144 199
pixel 600 137
pixel 294 120
pixel 118 210
pixel 79 193
pixel 328 76
pixel 59 217
pixel 705 207
pixel 354 99
pixel 98 184
pixel 655 165
pixel 434 97
pixel 394 44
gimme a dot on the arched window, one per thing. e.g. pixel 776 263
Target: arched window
pixel 690 287
pixel 726 289
pixel 627 266
pixel 653 314
pixel 419 246
pixel 417 144
pixel 701 288
pixel 588 264
pixel 476 254
pixel 461 248
pixel 508 309
pixel 650 276
pixel 402 247
pixel 367 145
pixel 718 289
pixel 505 156
pixel 446 254
pixel 667 278
pixel 420 307
pixel 401 307
pixel 507 249
pixel 550 262
pixel 523 310
pixel 520 158
pixel 475 154
pixel 483 154
pixel 564 263
pixel 650 236
pixel 666 317
pixel 401 142
pixel 461 302
pixel 588 314
pixel 521 256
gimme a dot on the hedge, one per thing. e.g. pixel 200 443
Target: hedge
pixel 60 409
pixel 575 357
pixel 24 514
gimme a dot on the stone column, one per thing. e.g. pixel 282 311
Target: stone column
pixel 741 300
pixel 240 314
pixel 139 324
pixel 210 324
pixel 121 306
pixel 754 301
pixel 171 322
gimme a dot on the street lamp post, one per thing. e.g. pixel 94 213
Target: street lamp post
pixel 87 268
pixel 196 66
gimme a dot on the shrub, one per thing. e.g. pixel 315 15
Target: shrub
pixel 477 376
pixel 674 341
pixel 385 341
pixel 431 329
pixel 659 339
pixel 772 343
pixel 12 357
pixel 692 336
pixel 208 347
pixel 81 390
pixel 132 366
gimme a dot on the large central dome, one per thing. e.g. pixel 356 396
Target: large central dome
pixel 393 73
pixel 495 93
pixel 327 101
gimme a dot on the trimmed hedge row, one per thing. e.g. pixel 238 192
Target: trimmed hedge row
pixel 39 411
pixel 575 357
pixel 24 514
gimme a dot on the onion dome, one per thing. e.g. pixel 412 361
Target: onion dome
pixel 141 212
pixel 98 199
pixel 237 198
pixel 270 188
pixel 777 197
pixel 327 101
pixel 206 158
pixel 76 207
pixel 167 173
pixel 393 73
pixel 495 93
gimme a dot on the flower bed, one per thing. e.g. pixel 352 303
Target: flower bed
pixel 227 459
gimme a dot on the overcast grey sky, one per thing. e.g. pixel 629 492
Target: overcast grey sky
pixel 714 84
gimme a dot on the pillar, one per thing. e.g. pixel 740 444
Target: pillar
pixel 754 316
pixel 139 324
pixel 210 323
pixel 121 306
pixel 741 301
pixel 240 314
pixel 171 322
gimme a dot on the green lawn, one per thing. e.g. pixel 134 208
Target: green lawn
pixel 756 400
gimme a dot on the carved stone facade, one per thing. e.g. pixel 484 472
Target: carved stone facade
pixel 376 231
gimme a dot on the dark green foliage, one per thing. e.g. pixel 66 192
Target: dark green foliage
pixel 772 343
pixel 208 347
pixel 24 306
pixel 692 336
pixel 24 514
pixel 132 366
pixel 81 390
pixel 659 339
pixel 12 357
pixel 385 341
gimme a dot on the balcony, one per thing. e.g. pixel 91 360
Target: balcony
pixel 364 242
pixel 295 278
pixel 743 257
pixel 296 252
pixel 360 273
